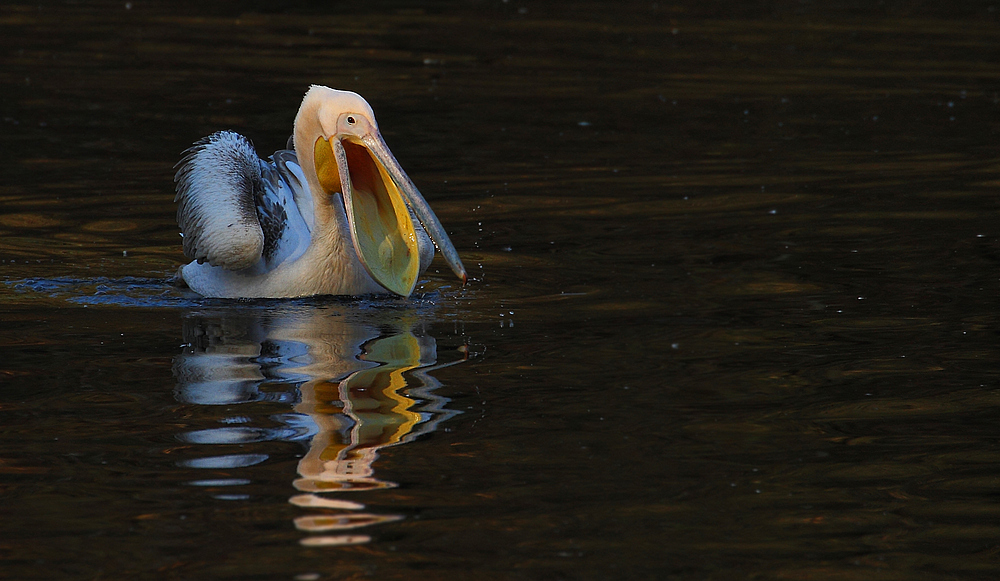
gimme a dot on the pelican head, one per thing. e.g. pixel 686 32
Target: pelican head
pixel 342 153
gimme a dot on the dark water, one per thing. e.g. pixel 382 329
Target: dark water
pixel 733 313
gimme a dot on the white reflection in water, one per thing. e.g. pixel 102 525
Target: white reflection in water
pixel 228 461
pixel 220 482
pixel 352 389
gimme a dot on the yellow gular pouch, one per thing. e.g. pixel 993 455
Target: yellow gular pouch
pixel 380 224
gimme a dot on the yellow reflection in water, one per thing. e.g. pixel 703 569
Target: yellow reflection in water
pixel 357 416
pixel 383 398
pixel 370 406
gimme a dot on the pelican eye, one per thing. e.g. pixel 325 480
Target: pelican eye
pixel 350 120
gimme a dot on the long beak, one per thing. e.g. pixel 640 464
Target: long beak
pixel 377 194
pixel 416 201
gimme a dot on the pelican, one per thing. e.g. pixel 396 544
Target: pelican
pixel 333 215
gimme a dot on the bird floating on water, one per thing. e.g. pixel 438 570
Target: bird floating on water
pixel 335 215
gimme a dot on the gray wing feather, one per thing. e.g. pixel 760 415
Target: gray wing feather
pixel 218 184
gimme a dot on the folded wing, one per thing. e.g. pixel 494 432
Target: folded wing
pixel 219 186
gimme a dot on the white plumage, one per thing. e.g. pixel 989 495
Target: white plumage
pixel 217 212
pixel 337 215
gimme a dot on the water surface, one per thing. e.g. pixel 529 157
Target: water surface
pixel 732 312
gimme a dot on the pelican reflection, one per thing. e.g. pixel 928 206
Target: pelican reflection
pixel 347 387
